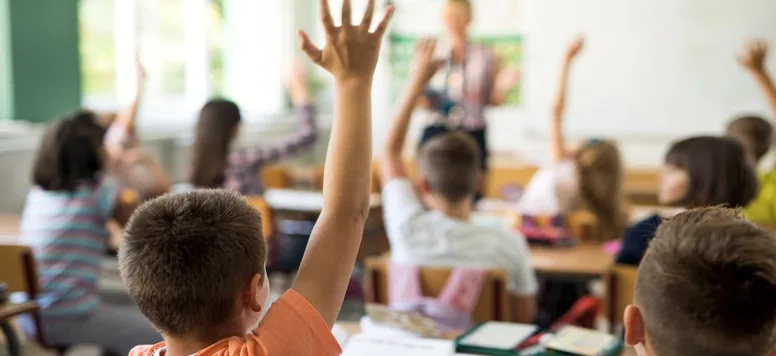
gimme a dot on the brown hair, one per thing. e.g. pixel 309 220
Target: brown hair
pixel 599 166
pixel 719 171
pixel 450 163
pixel 70 153
pixel 184 258
pixel 707 286
pixel 754 133
pixel 213 138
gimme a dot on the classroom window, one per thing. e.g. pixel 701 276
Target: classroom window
pixel 185 46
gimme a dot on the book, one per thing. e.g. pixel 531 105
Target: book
pixel 494 338
pixel 375 345
pixel 583 342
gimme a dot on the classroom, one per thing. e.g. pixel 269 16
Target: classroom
pixel 432 177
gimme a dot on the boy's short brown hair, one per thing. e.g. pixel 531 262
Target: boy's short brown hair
pixel 707 286
pixel 184 258
pixel 450 163
pixel 754 133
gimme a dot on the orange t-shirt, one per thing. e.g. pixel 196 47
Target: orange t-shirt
pixel 291 327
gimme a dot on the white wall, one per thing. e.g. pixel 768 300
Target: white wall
pixel 653 71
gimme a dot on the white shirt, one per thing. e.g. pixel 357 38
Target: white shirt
pixel 553 190
pixel 431 238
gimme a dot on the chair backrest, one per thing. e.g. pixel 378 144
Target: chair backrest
pixel 621 287
pixel 17 269
pixel 268 223
pixel 494 303
pixel 276 177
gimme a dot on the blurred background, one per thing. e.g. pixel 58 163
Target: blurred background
pixel 652 70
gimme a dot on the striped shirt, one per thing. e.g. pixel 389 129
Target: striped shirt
pixel 470 84
pixel 67 233
pixel 243 171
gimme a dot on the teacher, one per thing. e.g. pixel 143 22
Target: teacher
pixel 472 80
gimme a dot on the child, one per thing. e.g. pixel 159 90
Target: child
pixel 64 221
pixel 127 161
pixel 195 262
pixel 706 287
pixel 212 163
pixel 755 133
pixel 698 172
pixel 446 234
pixel 590 177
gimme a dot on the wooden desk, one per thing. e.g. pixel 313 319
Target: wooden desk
pixel 586 260
pixel 353 328
pixel 10 225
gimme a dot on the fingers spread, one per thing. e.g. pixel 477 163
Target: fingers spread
pixel 328 21
pixel 347 18
pixel 315 54
pixel 380 30
pixel 366 22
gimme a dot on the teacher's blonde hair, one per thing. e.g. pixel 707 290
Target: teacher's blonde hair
pixel 466 4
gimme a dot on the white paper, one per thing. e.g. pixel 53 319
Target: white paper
pixel 364 344
pixel 499 335
pixel 303 201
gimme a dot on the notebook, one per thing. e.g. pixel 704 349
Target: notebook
pixel 583 342
pixel 372 345
pixel 494 338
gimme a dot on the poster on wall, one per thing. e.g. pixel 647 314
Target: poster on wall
pixel 496 23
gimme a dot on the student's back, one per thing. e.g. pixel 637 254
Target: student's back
pixel 435 226
pixel 431 238
pixel 67 232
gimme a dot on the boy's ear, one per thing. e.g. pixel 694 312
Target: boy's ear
pixel 634 326
pixel 250 294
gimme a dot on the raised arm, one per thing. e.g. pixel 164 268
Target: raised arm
pixel 305 136
pixel 557 141
pixel 121 133
pixel 504 79
pixel 350 55
pixel 753 59
pixel 424 67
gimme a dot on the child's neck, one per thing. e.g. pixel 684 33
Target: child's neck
pixel 190 345
pixel 458 211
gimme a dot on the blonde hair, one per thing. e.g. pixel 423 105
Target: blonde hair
pixel 467 4
pixel 600 173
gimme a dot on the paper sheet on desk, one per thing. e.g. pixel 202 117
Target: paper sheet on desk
pixel 498 335
pixel 364 344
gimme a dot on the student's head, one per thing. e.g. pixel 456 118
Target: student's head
pixel 194 264
pixel 707 171
pixel 456 17
pixel 754 133
pixel 217 127
pixel 599 167
pixel 706 287
pixel 450 168
pixel 71 153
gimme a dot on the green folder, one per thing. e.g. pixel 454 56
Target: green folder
pixel 478 350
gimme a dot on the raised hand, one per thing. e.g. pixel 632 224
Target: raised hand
pixel 575 47
pixel 507 79
pixel 139 67
pixel 424 65
pixel 754 55
pixel 297 84
pixel 351 51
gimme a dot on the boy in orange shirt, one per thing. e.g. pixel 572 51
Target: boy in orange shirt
pixel 195 262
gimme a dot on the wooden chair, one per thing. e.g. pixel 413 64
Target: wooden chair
pixel 19 272
pixel 277 177
pixel 268 223
pixel 621 282
pixel 494 303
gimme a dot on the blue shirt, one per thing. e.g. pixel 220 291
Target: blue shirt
pixel 637 239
